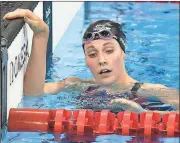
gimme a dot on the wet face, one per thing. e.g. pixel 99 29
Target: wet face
pixel 105 59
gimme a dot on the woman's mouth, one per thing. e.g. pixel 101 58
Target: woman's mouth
pixel 105 72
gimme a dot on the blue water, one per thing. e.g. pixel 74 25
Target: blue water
pixel 152 56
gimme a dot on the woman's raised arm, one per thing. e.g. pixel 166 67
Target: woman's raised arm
pixel 34 78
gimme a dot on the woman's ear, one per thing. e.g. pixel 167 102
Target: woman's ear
pixel 124 56
pixel 86 62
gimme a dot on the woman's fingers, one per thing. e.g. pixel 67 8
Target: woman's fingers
pixel 126 104
pixel 120 100
pixel 20 13
pixel 36 23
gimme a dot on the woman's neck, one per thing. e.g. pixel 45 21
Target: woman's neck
pixel 125 80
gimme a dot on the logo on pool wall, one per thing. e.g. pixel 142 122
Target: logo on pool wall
pixel 18 62
pixel 47 15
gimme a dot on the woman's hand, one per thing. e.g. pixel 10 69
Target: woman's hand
pixel 125 104
pixel 37 25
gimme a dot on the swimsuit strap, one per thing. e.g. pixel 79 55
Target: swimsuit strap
pixel 136 86
pixel 134 90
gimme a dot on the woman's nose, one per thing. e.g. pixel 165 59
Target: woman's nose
pixel 102 60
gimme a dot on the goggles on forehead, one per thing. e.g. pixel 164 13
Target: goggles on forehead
pixel 103 34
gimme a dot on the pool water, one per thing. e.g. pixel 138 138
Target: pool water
pixel 152 55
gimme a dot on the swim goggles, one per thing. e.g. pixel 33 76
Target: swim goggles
pixel 102 34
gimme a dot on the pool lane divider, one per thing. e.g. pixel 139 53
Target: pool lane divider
pixel 83 122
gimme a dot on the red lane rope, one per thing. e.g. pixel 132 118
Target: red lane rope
pixel 84 121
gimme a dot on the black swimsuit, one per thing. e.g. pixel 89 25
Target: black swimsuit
pixel 97 99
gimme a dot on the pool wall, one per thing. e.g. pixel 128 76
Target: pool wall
pixel 19 50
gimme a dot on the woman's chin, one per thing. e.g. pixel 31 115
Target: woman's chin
pixel 107 81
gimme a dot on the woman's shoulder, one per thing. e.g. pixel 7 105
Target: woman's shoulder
pixel 152 85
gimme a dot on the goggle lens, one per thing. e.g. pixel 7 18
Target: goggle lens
pixel 105 34
pixel 88 36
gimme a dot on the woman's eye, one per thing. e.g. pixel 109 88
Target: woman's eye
pixel 109 51
pixel 92 55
